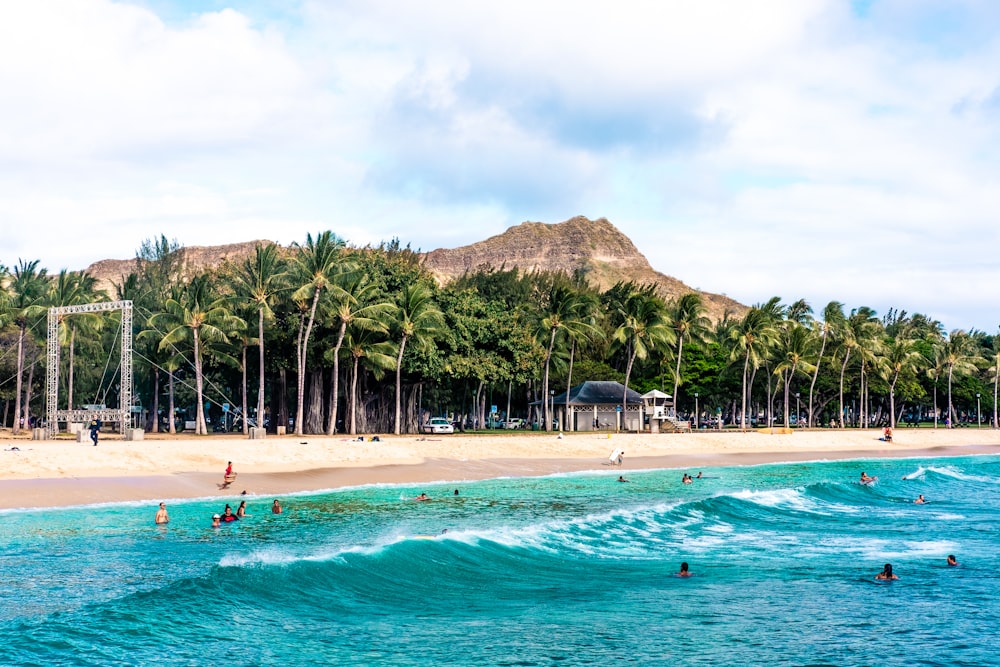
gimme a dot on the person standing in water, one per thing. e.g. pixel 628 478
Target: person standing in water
pixel 161 515
pixel 276 507
pixel 886 574
pixel 684 570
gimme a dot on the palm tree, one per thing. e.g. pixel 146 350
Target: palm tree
pixel 27 289
pixel 794 347
pixel 584 330
pixel 314 265
pixel 354 305
pixel 417 318
pixel 850 336
pixel 644 327
pixel 203 318
pixel 833 321
pixel 901 356
pixel 689 322
pixel 752 335
pixel 258 280
pixel 960 356
pixel 995 370
pixel 567 313
pixel 367 346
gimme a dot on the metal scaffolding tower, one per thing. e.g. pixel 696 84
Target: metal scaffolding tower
pixel 124 410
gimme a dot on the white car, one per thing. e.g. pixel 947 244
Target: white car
pixel 438 425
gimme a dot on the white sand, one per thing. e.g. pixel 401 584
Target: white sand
pixel 187 465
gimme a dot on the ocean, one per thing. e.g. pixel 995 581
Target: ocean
pixel 574 569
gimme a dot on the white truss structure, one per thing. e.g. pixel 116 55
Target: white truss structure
pixel 121 414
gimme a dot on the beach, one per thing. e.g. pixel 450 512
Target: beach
pixel 37 473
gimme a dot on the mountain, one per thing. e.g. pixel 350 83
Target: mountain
pixel 595 247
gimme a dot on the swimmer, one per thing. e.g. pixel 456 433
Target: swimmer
pixel 422 496
pixel 920 500
pixel 699 475
pixel 865 479
pixel 241 511
pixel 456 492
pixel 951 560
pixel 215 521
pixel 161 514
pixel 228 515
pixel 886 574
pixel 621 479
pixel 686 479
pixel 684 570
pixel 276 507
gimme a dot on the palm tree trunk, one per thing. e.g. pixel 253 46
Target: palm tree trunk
pixel 200 426
pixel 246 424
pixel 812 385
pixel 399 382
pixel 354 397
pixel 332 427
pixel 996 385
pixel 677 371
pixel 260 371
pixel 303 349
pixel 545 382
pixel 18 382
pixel 569 385
pixel 743 407
pixel 172 427
pixel 951 410
pixel 843 369
pixel 892 401
pixel 69 379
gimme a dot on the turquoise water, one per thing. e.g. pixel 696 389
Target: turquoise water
pixel 565 570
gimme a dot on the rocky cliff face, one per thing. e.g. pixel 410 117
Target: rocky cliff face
pixel 604 254
pixel 112 272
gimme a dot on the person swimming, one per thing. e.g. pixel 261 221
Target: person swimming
pixel 422 496
pixel 684 570
pixel 886 574
pixel 951 560
pixel 920 500
pixel 621 479
pixel 865 479
pixel 686 479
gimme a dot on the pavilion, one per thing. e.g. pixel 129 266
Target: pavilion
pixel 596 406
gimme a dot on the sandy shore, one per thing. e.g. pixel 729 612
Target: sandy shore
pixel 60 473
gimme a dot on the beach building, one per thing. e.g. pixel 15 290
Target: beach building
pixel 597 406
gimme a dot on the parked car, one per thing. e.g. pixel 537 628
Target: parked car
pixel 438 425
pixel 514 422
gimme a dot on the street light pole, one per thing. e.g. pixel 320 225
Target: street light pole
pixel 979 419
pixel 552 409
pixel 697 418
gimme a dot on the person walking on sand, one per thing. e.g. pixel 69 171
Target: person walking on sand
pixel 229 477
pixel 95 429
pixel 161 515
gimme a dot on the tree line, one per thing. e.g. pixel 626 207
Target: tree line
pixel 326 338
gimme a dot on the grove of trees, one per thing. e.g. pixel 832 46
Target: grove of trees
pixel 326 338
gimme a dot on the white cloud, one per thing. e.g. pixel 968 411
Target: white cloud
pixel 784 147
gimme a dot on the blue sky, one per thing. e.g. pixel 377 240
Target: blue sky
pixel 819 150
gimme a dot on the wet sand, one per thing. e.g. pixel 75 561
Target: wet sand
pixel 160 467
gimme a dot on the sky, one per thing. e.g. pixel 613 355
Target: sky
pixel 814 149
